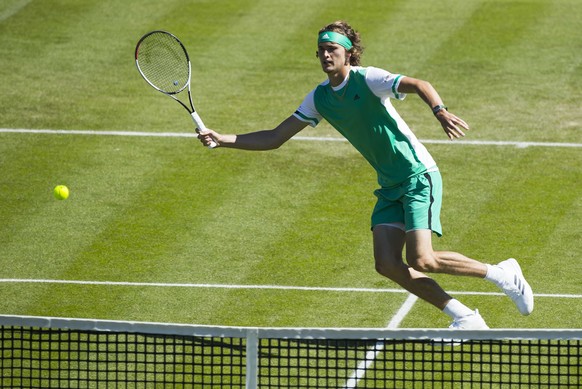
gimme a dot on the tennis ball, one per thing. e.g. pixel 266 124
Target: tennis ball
pixel 61 192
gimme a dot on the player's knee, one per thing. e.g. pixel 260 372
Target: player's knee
pixel 424 263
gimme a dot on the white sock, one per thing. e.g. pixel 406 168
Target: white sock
pixel 455 309
pixel 495 274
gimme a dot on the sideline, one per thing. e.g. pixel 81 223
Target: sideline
pixel 518 144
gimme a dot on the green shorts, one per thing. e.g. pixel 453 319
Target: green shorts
pixel 413 205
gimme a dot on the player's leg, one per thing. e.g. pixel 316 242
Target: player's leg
pixel 422 205
pixel 388 245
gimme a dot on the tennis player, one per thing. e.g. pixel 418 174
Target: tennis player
pixel 355 100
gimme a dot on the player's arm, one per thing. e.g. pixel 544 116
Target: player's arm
pixel 452 124
pixel 258 140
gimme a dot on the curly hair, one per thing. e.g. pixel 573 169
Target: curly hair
pixel 344 28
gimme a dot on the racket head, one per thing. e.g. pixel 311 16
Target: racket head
pixel 163 62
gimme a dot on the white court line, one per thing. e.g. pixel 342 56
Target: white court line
pixel 266 287
pixel 518 144
pixel 402 312
pixel 372 354
pixel 100 133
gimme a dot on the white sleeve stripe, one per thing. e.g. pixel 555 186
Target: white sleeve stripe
pixel 395 86
pixel 312 121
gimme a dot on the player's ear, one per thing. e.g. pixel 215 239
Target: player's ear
pixel 348 56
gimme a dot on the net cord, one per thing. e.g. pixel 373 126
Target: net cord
pixel 287 333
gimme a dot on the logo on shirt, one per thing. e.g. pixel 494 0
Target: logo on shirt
pixel 356 97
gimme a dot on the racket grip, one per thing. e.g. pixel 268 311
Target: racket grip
pixel 200 125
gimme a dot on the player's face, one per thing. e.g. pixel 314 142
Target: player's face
pixel 333 57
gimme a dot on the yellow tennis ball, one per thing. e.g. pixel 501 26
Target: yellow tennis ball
pixel 61 192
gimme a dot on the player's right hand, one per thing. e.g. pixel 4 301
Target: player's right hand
pixel 208 137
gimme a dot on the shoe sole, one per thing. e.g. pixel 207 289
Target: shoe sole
pixel 528 289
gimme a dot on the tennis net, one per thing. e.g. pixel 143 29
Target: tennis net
pixel 43 352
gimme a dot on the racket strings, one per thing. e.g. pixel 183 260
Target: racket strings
pixel 163 62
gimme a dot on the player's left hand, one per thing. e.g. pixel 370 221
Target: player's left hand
pixel 452 124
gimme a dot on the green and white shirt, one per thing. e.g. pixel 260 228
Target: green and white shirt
pixel 360 109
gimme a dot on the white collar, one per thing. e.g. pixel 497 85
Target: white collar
pixel 344 82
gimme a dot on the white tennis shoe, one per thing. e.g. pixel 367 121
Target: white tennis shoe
pixel 473 321
pixel 516 287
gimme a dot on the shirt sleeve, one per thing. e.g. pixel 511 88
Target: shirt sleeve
pixel 383 83
pixel 307 111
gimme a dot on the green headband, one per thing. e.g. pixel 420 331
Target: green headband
pixel 334 37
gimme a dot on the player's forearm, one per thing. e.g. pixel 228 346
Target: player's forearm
pixel 260 140
pixel 429 95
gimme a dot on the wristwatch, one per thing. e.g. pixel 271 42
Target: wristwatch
pixel 439 107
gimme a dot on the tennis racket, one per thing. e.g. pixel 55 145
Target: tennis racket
pixel 162 60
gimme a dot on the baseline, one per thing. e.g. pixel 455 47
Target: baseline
pixel 266 287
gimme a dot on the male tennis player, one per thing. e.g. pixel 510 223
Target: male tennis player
pixel 355 100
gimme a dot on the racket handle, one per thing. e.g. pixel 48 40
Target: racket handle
pixel 201 126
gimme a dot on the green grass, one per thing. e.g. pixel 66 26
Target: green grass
pixel 167 210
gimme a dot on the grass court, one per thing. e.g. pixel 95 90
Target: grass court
pixel 158 228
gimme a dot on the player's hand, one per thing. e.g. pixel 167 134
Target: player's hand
pixel 452 124
pixel 208 137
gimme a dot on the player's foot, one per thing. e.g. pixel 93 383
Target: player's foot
pixel 516 287
pixel 473 321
